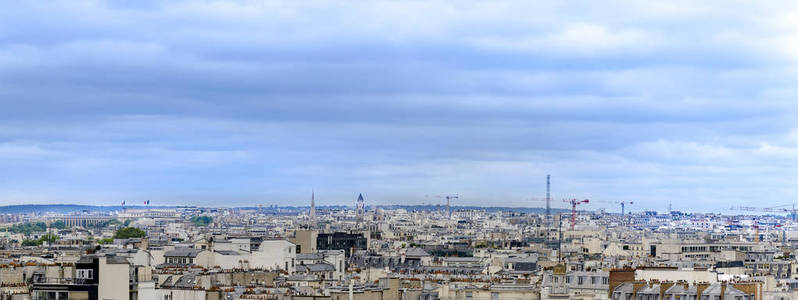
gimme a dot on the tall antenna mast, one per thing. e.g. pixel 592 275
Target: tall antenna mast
pixel 559 242
pixel 548 197
pixel 313 209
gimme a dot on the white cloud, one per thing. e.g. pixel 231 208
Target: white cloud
pixel 574 39
pixel 627 100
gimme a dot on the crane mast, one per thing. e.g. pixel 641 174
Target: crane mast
pixel 574 203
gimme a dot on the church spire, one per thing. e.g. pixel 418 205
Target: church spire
pixel 361 207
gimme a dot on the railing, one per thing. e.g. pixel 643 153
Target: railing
pixel 530 296
pixel 59 280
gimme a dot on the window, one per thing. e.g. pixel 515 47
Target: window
pixel 85 274
pixel 469 295
pixel 592 279
pixel 581 280
pixel 494 296
pixel 604 280
pixel 568 279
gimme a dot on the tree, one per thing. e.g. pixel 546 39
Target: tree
pixel 50 238
pixel 28 243
pixel 58 225
pixel 202 220
pixel 129 232
pixel 28 228
pixel 106 241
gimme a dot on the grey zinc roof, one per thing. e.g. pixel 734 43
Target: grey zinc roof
pixel 626 287
pixel 713 289
pixel 676 289
pixel 113 259
pixel 301 277
pixel 416 252
pixel 85 260
pixel 183 252
pixel 167 282
pixel 527 259
pixel 187 281
pixel 731 291
pixel 463 259
pixel 315 268
pixel 653 289
pixel 692 290
pixel 309 256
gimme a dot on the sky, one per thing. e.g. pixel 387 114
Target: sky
pixel 687 103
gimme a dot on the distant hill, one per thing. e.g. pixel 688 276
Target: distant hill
pixel 71 208
pixel 57 208
pixel 539 210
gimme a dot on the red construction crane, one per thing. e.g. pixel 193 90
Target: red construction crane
pixel 574 203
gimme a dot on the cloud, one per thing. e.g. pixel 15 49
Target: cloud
pixel 579 39
pixel 258 102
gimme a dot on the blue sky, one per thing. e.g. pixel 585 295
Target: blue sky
pixel 242 103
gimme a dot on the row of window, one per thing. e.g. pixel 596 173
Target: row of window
pixel 580 280
pixel 84 274
pixel 628 296
pixel 180 260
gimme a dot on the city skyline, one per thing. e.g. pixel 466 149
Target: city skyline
pixel 248 103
